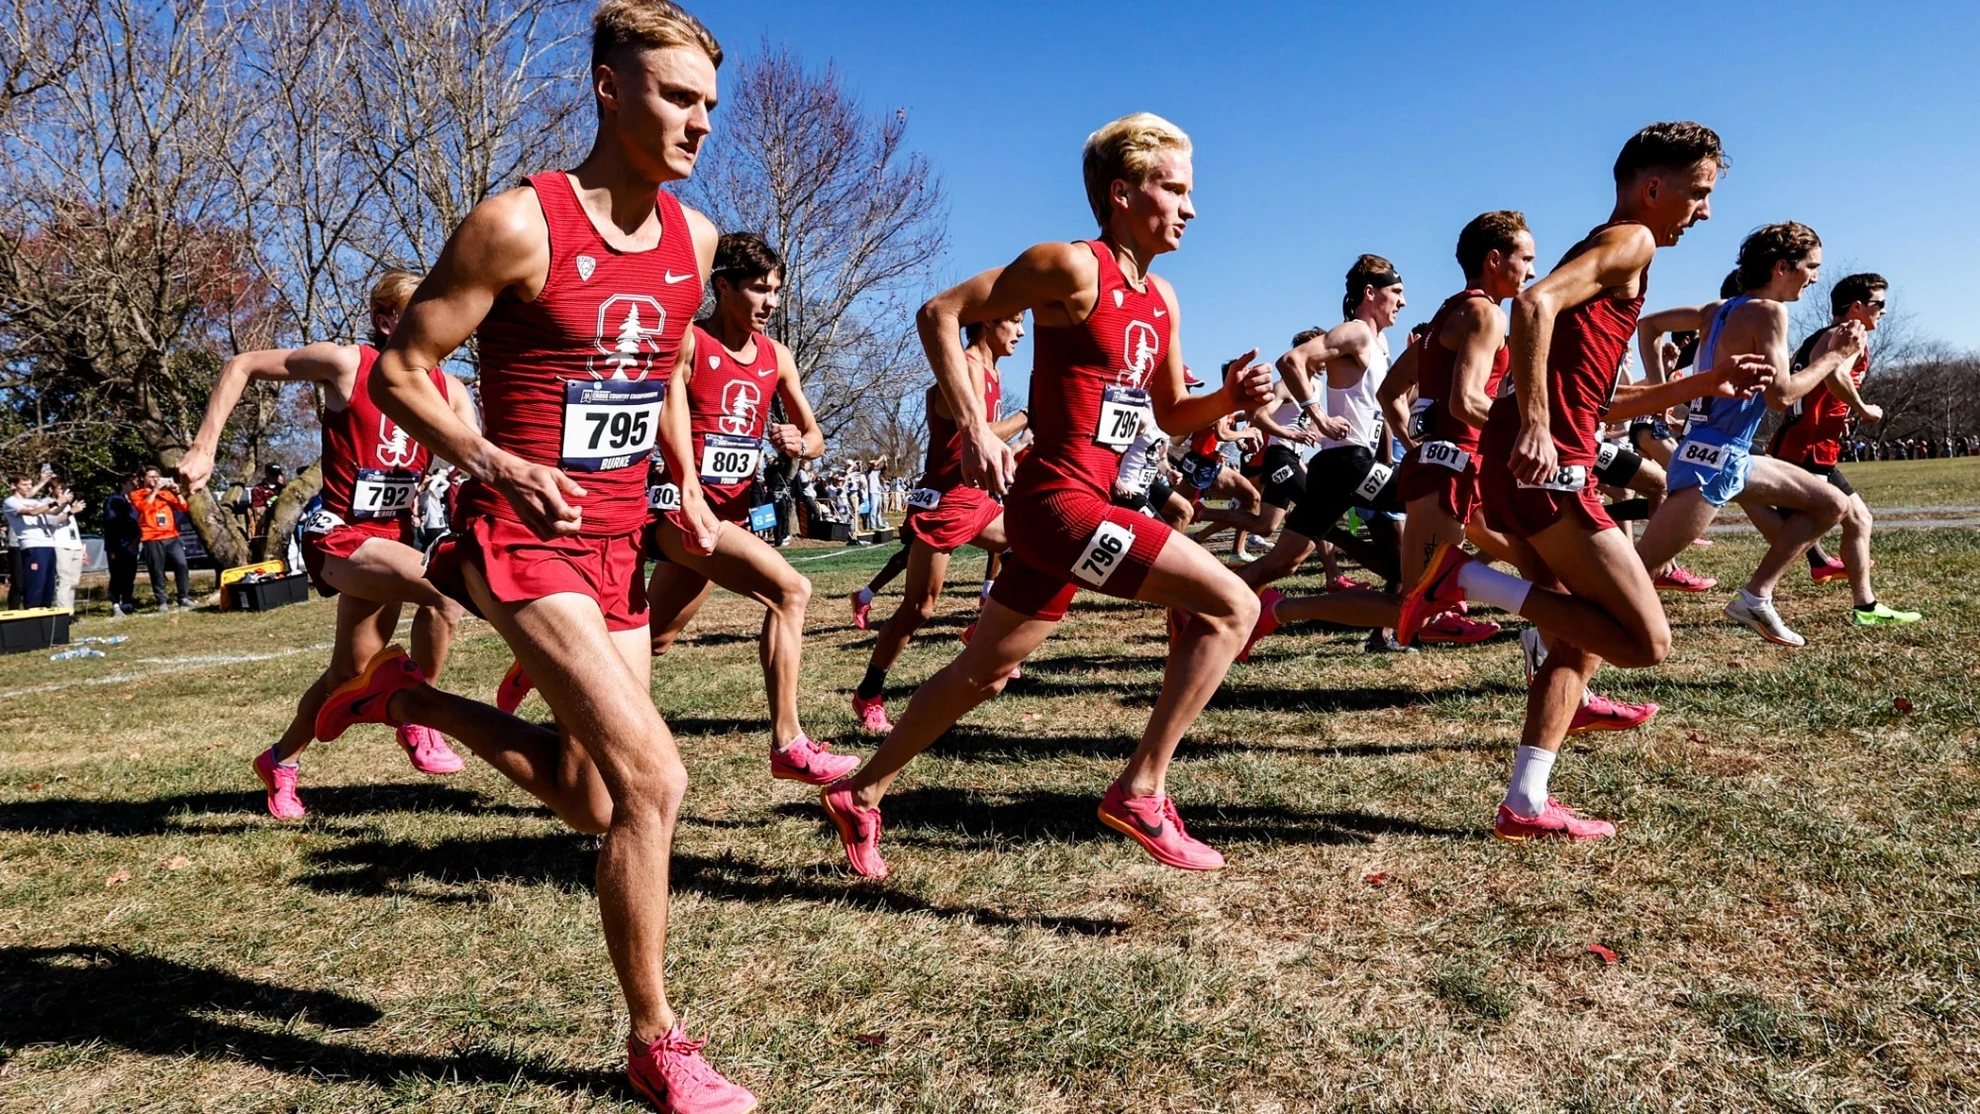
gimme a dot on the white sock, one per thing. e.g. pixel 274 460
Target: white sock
pixel 1527 793
pixel 864 596
pixel 1750 599
pixel 1493 588
pixel 986 588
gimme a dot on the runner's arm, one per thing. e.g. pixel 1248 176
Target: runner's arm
pixel 1834 355
pixel 1007 428
pixel 1261 418
pixel 315 363
pixel 1615 260
pixel 462 400
pixel 1304 369
pixel 503 245
pixel 1743 374
pixel 1652 328
pixel 1482 332
pixel 1843 386
pixel 810 441
pixel 1394 396
pixel 1179 413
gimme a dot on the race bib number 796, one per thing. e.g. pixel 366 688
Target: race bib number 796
pixel 1104 552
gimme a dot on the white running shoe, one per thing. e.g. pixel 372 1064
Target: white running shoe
pixel 1532 652
pixel 1760 615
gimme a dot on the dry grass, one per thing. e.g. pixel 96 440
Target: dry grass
pixel 1792 897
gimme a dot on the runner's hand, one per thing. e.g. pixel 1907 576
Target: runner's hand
pixel 701 524
pixel 1872 412
pixel 1740 376
pixel 1533 457
pixel 787 440
pixel 1851 336
pixel 195 468
pixel 1249 385
pixel 987 462
pixel 1333 427
pixel 541 497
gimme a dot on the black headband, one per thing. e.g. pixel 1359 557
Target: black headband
pixel 1381 278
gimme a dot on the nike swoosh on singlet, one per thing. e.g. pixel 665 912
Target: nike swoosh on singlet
pixel 672 278
pixel 1161 313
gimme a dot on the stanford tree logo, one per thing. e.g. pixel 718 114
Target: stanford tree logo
pixel 629 330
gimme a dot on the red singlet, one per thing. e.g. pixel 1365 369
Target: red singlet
pixel 1815 425
pixel 1436 380
pixel 728 407
pixel 942 468
pixel 573 378
pixel 371 467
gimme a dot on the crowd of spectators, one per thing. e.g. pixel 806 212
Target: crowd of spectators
pixel 1912 448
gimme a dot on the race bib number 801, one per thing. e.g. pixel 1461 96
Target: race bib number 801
pixel 1104 552
pixel 610 423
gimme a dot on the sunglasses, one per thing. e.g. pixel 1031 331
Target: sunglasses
pixel 1878 304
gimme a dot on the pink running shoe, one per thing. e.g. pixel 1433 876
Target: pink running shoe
pixel 1681 579
pixel 1599 713
pixel 1154 823
pixel 1556 821
pixel 428 750
pixel 670 1074
pixel 366 697
pixel 872 716
pixel 1455 629
pixel 859 831
pixel 514 688
pixel 862 602
pixel 808 762
pixel 1434 593
pixel 283 804
pixel 1268 621
pixel 1703 543
pixel 1834 570
pixel 968 632
pixel 1342 584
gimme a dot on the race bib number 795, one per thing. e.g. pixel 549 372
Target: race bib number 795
pixel 1104 553
pixel 610 423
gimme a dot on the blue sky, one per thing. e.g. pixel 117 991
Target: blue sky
pixel 1326 130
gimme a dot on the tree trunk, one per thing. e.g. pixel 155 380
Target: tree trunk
pixel 218 530
pixel 288 510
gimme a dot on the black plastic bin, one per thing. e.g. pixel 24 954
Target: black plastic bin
pixel 262 595
pixel 32 632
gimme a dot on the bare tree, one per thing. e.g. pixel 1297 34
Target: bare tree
pixel 858 217
pixel 40 43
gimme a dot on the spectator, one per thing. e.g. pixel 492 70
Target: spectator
pixel 70 554
pixel 120 547
pixel 158 506
pixel 855 495
pixel 807 498
pixel 33 522
pixel 261 501
pixel 433 503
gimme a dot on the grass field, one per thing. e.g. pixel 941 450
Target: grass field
pixel 1791 900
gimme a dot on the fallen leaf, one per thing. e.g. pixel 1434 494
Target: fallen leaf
pixel 176 862
pixel 118 878
pixel 1696 737
pixel 1902 704
pixel 129 695
pixel 1736 663
pixel 1604 954
pixel 61 777
pixel 35 788
pixel 871 1040
pixel 132 756
pixel 1378 879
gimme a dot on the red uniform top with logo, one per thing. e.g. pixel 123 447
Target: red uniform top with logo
pixel 1089 390
pixel 1585 358
pixel 1445 461
pixel 943 511
pixel 728 408
pixel 371 473
pixel 573 379
pixel 1813 430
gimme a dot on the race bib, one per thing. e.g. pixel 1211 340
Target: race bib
pixel 924 498
pixel 1702 455
pixel 1573 477
pixel 1103 553
pixel 609 423
pixel 1419 417
pixel 1605 453
pixel 663 497
pixel 381 493
pixel 1371 485
pixel 727 459
pixel 1202 470
pixel 1121 411
pixel 322 522
pixel 1444 453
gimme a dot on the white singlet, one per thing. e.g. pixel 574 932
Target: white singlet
pixel 1358 403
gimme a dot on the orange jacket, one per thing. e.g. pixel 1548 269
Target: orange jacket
pixel 154 509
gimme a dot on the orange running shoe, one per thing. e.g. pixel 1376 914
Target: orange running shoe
pixel 365 697
pixel 514 687
pixel 1434 593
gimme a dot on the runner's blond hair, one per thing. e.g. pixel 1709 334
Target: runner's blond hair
pixel 647 25
pixel 1126 150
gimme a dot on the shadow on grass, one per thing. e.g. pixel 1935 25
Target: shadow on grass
pixel 961 818
pixel 236 811
pixel 981 744
pixel 1236 695
pixel 376 867
pixel 80 995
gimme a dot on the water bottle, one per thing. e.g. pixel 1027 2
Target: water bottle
pixel 78 652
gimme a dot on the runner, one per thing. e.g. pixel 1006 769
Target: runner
pixel 1713 465
pixel 580 287
pixel 1106 352
pixel 944 513
pixel 1650 437
pixel 1570 333
pixel 718 414
pixel 359 546
pixel 1811 438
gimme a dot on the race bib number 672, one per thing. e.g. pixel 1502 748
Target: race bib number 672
pixel 609 423
pixel 1103 554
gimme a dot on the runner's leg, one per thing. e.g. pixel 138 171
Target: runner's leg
pixel 364 627
pixel 926 571
pixel 1819 507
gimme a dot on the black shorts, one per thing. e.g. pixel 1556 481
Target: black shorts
pixel 1159 491
pixel 1654 428
pixel 1280 476
pixel 1829 472
pixel 1620 469
pixel 1334 484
